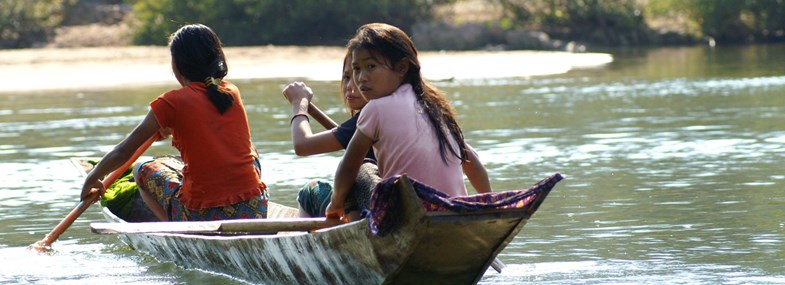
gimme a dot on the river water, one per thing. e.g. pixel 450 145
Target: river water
pixel 674 158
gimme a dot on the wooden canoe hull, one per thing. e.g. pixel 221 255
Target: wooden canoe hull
pixel 457 251
pixel 319 258
pixel 345 254
pixel 335 258
pixel 440 249
pixel 424 248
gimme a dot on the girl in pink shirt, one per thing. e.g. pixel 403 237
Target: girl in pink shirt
pixel 408 122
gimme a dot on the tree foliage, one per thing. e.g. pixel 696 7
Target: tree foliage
pixel 615 21
pixel 254 22
pixel 24 23
pixel 732 20
pixel 602 21
pixel 27 23
pixel 739 21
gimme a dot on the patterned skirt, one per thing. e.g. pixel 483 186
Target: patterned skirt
pixel 162 179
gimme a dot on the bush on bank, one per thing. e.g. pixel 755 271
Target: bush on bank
pixel 27 23
pixel 292 22
pixel 537 24
pixel 730 21
pixel 607 22
pixel 632 22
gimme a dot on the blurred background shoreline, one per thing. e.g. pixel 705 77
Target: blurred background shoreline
pixel 566 25
pixel 94 44
pixel 42 70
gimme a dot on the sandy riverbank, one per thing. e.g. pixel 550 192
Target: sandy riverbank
pixel 33 70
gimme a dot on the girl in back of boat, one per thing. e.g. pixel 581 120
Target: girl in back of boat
pixel 219 175
pixel 315 195
pixel 407 121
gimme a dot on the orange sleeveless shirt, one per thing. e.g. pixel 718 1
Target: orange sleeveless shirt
pixel 216 148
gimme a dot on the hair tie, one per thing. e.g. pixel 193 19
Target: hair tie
pixel 212 81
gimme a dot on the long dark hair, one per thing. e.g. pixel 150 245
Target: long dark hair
pixel 394 46
pixel 197 53
pixel 341 91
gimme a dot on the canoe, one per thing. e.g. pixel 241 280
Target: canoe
pixel 422 248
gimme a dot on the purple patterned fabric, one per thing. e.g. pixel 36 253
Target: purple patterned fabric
pixel 385 207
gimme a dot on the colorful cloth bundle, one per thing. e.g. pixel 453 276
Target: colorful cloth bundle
pixel 385 207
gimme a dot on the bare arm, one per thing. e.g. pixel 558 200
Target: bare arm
pixel 304 140
pixel 307 143
pixel 347 172
pixel 476 172
pixel 120 154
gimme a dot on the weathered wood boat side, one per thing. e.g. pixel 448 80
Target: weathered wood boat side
pixel 423 248
pixel 346 254
pixel 337 256
pixel 457 248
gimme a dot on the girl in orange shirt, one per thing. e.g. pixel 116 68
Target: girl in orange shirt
pixel 219 176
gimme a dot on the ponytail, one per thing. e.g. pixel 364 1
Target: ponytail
pixel 219 95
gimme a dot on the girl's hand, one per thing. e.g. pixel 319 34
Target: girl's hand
pixel 296 92
pixel 334 211
pixel 90 187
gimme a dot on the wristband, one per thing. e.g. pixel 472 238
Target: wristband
pixel 297 115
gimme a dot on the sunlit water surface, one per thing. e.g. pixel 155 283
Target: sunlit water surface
pixel 675 165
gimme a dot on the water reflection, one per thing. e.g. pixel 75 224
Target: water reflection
pixel 629 272
pixel 673 173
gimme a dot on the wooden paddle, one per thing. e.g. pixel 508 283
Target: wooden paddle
pixel 45 244
pixel 321 117
pixel 497 265
pixel 244 226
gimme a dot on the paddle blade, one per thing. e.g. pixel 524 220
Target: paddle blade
pixel 40 247
pixel 45 245
pixel 498 265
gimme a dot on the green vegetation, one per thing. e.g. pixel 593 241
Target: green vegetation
pixel 255 22
pixel 731 20
pixel 612 22
pixel 620 22
pixel 25 23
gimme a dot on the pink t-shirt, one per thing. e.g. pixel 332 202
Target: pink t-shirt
pixel 404 142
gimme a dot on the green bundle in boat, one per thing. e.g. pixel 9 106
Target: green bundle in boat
pixel 120 195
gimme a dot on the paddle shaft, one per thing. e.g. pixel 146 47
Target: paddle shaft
pixel 243 226
pixel 497 265
pixel 321 117
pixel 84 204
